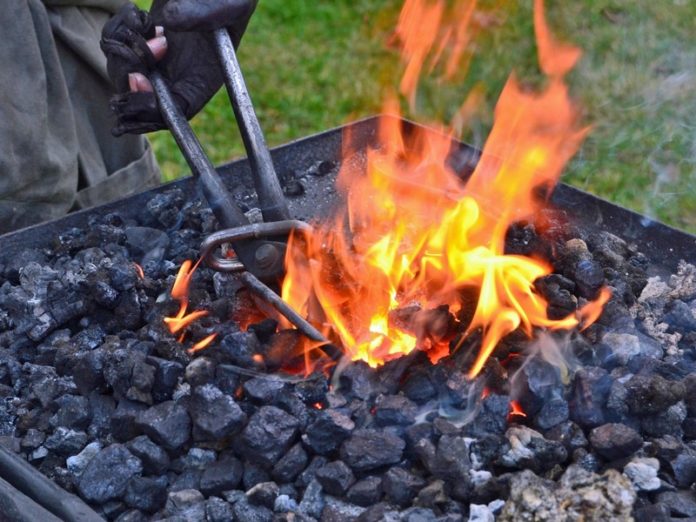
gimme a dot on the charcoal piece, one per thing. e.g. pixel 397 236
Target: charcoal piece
pixel 569 434
pixel 358 380
pixel 684 470
pixel 263 494
pixel 553 412
pixel 146 493
pixel 223 475
pixel 652 394
pixel 401 486
pixel 589 278
pixel 530 450
pixel 167 424
pixel 680 316
pixel 643 473
pixel 88 372
pixel 310 472
pixel 557 290
pixel 200 371
pixel 107 475
pixel 268 435
pixel 293 188
pixel 239 348
pixel 244 510
pixel 365 492
pixel 615 441
pixel 128 310
pixel 187 479
pixel 65 441
pixel 64 304
pixel 15 263
pixel 154 459
pixel 394 410
pixel 668 422
pixel 215 415
pixel 485 450
pixel 290 465
pixel 492 418
pixel 419 387
pixel 217 510
pixel 32 439
pixel 227 379
pixel 185 504
pixel 329 429
pixel 264 390
pixel 264 330
pixel 167 374
pixel 624 346
pixel 313 503
pixel 123 421
pixel 369 449
pixel 166 207
pixel 106 295
pixel 129 375
pixel 77 463
pixel 73 412
pixel 254 474
pixel 652 513
pixel 195 458
pixel 416 432
pixel 89 338
pixel 589 394
pixel 681 503
pixel 335 478
pixel 313 390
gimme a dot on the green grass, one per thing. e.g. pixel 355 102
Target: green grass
pixel 314 65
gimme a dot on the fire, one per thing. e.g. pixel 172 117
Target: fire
pixel 412 234
pixel 183 318
pixel 516 410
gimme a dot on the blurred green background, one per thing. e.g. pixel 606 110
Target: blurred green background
pixel 313 65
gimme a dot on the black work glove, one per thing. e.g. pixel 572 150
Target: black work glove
pixel 190 64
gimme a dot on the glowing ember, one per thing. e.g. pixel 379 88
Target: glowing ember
pixel 203 343
pixel 139 270
pixel 412 234
pixel 516 410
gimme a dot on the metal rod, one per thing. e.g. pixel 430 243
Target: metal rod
pixel 268 295
pixel 43 491
pixel 228 214
pixel 271 197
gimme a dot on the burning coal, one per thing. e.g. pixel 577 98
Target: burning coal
pixel 411 233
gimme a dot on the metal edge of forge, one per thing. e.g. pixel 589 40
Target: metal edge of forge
pixel 663 245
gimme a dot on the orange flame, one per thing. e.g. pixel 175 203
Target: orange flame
pixel 183 319
pixel 139 270
pixel 412 234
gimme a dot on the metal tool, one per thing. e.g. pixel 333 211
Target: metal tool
pixel 259 248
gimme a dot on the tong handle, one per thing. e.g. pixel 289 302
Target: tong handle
pixel 253 252
pixel 270 194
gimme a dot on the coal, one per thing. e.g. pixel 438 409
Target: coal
pixel 222 475
pixel 335 478
pixel 291 464
pixel 268 435
pixel 652 394
pixel 167 424
pixel 615 441
pixel 214 415
pixel 365 492
pixel 400 486
pixel 108 474
pixel 329 429
pixel 263 494
pixel 146 493
pixel 369 449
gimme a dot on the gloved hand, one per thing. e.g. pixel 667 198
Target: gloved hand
pixel 187 58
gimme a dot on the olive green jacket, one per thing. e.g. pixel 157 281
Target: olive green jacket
pixel 56 148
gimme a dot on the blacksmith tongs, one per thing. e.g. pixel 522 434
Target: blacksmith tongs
pixel 259 247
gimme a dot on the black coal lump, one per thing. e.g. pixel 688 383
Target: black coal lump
pixel 615 441
pixel 168 424
pixel 369 449
pixel 335 478
pixel 268 435
pixel 154 459
pixel 107 475
pixel 329 429
pixel 215 415
pixel 223 475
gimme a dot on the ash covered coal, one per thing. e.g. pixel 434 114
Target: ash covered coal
pixel 101 398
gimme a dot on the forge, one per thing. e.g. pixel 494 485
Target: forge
pixel 105 403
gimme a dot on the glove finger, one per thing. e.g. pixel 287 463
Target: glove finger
pixel 124 42
pixel 206 15
pixel 136 112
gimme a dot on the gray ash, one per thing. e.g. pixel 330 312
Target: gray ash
pixel 100 397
